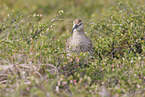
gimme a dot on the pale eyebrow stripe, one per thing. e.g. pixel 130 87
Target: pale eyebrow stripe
pixel 80 23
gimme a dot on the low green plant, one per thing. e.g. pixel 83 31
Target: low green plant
pixel 33 61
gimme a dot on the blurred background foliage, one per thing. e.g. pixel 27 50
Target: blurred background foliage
pixel 42 68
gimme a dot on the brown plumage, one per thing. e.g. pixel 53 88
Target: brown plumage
pixel 79 42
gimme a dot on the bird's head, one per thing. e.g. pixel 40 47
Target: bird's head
pixel 77 25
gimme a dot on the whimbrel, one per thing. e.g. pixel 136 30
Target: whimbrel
pixel 79 42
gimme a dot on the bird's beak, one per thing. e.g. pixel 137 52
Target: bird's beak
pixel 74 28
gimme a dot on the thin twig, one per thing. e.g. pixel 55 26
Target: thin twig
pixel 113 52
pixel 41 29
pixel 17 69
pixel 122 8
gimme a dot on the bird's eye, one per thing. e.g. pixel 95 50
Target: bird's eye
pixel 79 24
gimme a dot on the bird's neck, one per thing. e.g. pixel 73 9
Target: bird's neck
pixel 77 33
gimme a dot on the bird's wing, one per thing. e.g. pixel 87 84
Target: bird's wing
pixel 67 45
pixel 91 47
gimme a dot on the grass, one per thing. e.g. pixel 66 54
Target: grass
pixel 41 66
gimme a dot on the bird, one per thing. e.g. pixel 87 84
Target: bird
pixel 79 42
